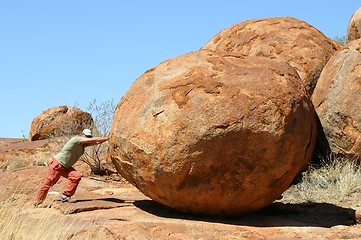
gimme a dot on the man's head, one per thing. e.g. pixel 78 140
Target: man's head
pixel 87 133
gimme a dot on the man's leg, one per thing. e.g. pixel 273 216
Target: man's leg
pixel 74 178
pixel 52 178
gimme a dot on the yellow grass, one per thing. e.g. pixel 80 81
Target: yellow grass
pixel 337 181
pixel 19 220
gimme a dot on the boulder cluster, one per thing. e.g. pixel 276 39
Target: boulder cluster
pixel 227 128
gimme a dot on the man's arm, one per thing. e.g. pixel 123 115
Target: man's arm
pixel 93 141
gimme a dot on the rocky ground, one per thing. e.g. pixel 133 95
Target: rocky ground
pixel 109 208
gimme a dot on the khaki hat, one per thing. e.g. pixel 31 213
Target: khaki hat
pixel 87 132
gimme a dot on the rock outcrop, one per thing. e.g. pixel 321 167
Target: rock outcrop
pixel 284 38
pixel 114 210
pixel 59 121
pixel 337 101
pixel 214 134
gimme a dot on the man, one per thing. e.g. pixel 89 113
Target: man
pixel 62 165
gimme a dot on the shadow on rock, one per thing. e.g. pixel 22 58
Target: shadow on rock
pixel 276 215
pixel 113 200
pixel 86 205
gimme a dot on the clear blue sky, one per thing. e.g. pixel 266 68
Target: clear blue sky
pixel 56 53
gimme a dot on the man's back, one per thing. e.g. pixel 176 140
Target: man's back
pixel 71 152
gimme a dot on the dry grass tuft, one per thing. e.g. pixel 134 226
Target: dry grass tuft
pixel 336 181
pixel 16 163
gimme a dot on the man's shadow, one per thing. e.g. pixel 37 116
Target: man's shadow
pixel 276 215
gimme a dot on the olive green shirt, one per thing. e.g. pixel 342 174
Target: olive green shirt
pixel 71 152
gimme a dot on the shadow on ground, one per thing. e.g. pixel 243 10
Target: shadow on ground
pixel 276 215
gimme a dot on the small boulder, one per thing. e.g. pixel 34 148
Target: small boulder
pixel 214 134
pixel 59 121
pixel 337 100
pixel 354 27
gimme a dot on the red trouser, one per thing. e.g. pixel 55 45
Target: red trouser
pixel 55 170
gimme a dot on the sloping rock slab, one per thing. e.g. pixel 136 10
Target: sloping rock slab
pixel 5 141
pixel 22 145
pixel 92 195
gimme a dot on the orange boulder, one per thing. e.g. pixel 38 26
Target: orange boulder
pixel 214 134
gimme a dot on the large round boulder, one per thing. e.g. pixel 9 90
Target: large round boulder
pixel 354 26
pixel 214 134
pixel 284 38
pixel 59 121
pixel 337 100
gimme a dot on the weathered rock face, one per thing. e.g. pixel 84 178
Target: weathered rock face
pixel 287 39
pixel 214 134
pixel 354 27
pixel 337 101
pixel 58 121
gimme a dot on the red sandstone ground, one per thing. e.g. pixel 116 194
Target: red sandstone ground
pixel 111 206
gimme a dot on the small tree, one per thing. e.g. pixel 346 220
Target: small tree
pixel 341 40
pixel 102 115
